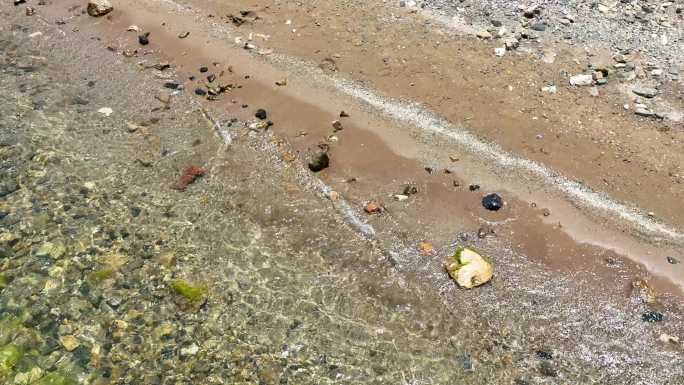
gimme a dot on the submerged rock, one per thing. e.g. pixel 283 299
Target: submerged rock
pixel 97 8
pixel 319 162
pixel 469 269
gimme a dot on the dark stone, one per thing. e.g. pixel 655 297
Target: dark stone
pixel 547 369
pixel 492 202
pixel 544 355
pixel 652 316
pixel 541 27
pixel 410 189
pixel 672 260
pixel 200 92
pixel 19 2
pixel 135 211
pixel 261 114
pixel 144 39
pixel 172 85
pixel 211 78
pixel 319 162
pixel 79 100
pixel 91 83
pixel 474 187
pixel 496 23
pixel 204 69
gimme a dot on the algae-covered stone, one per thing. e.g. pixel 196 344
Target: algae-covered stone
pixel 53 250
pixel 194 294
pixel 101 275
pixel 469 269
pixel 55 379
pixel 10 355
pixel 28 377
pixel 4 281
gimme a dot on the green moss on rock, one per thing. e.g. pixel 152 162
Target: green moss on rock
pixel 10 355
pixel 4 281
pixel 192 293
pixel 55 379
pixel 101 275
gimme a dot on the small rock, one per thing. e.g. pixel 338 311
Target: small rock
pixel 200 91
pixel 668 339
pixel 410 189
pixel 642 111
pixel 319 162
pixel 652 316
pixel 474 187
pixel 337 125
pixel 183 35
pixel 189 176
pixel 281 82
pixel 511 43
pixel 500 51
pixel 550 89
pixel 400 197
pixel 484 35
pixel 97 8
pixel 372 208
pixel 189 350
pixel 469 269
pixel 492 202
pixel 646 92
pixel 546 212
pixel 672 260
pixel 69 342
pixel 144 39
pixel 581 80
pixel 203 69
pixel 261 114
pixel 343 114
pixel 426 248
pixel 106 111
pixel 539 27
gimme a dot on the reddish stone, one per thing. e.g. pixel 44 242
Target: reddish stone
pixel 190 175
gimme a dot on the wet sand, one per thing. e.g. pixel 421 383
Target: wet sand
pixel 384 155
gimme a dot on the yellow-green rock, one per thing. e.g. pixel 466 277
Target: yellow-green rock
pixel 469 269
pixel 192 293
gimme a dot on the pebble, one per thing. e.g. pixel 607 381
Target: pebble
pixel 144 39
pixel 646 92
pixel 261 114
pixel 97 8
pixel 69 342
pixel 672 260
pixel 200 91
pixel 372 208
pixel 492 202
pixel 106 111
pixel 652 316
pixel 337 125
pixel 319 162
pixel 539 27
pixel 183 35
pixel 642 111
pixel 484 35
pixel 581 80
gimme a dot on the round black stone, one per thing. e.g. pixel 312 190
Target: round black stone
pixel 492 202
